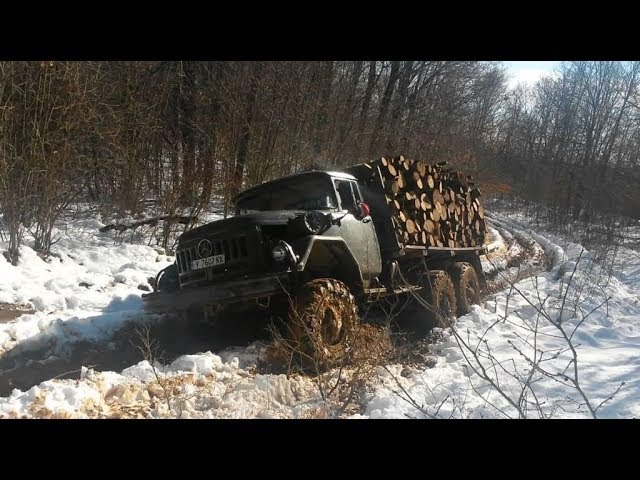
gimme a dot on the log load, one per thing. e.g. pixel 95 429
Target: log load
pixel 430 205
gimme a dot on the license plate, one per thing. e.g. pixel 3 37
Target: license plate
pixel 207 262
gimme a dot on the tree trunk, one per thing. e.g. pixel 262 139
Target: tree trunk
pixel 372 79
pixel 245 134
pixel 320 139
pixel 384 107
pixel 401 98
pixel 186 123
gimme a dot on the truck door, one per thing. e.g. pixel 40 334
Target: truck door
pixel 360 236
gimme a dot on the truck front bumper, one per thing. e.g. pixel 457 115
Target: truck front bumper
pixel 226 292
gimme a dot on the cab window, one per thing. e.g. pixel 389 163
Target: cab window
pixel 348 194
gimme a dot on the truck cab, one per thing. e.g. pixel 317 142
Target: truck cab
pixel 284 233
pixel 321 209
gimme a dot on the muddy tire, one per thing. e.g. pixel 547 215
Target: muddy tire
pixel 321 322
pixel 443 297
pixel 415 319
pixel 467 286
pixel 477 266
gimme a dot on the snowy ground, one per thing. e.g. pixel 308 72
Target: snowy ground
pixel 86 290
pixel 90 291
pixel 605 310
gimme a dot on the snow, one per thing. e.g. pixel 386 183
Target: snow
pixel 193 386
pixel 89 290
pixel 84 291
pixel 605 310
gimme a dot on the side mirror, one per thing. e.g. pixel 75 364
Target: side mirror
pixel 362 211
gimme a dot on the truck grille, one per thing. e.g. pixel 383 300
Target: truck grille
pixel 240 257
pixel 233 249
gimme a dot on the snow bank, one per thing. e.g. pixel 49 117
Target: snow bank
pixel 85 290
pixel 193 386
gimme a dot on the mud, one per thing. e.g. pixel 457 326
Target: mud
pixel 11 311
pixel 22 369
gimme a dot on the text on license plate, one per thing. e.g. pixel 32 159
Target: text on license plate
pixel 207 262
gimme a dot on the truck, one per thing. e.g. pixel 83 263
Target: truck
pixel 316 248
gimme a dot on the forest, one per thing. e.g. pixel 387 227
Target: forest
pixel 170 137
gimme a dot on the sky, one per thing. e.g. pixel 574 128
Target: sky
pixel 529 72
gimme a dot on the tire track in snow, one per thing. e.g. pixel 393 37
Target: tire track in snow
pixel 517 253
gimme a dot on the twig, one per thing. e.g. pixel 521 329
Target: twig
pixel 184 220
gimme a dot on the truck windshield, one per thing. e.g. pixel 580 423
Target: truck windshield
pixel 313 193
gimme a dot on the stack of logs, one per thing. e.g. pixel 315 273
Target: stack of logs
pixel 431 205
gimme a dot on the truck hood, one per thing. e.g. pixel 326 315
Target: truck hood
pixel 241 223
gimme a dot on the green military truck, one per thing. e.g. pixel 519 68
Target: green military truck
pixel 315 247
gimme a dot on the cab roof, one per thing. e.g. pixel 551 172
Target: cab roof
pixel 332 174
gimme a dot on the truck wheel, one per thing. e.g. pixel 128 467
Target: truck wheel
pixel 167 280
pixel 477 266
pixel 443 297
pixel 322 319
pixel 467 286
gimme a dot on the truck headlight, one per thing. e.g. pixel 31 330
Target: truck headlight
pixel 283 251
pixel 279 253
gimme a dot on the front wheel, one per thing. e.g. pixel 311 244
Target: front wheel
pixel 167 280
pixel 322 320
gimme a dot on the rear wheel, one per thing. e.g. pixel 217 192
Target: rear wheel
pixel 467 286
pixel 439 293
pixel 322 321
pixel 443 297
